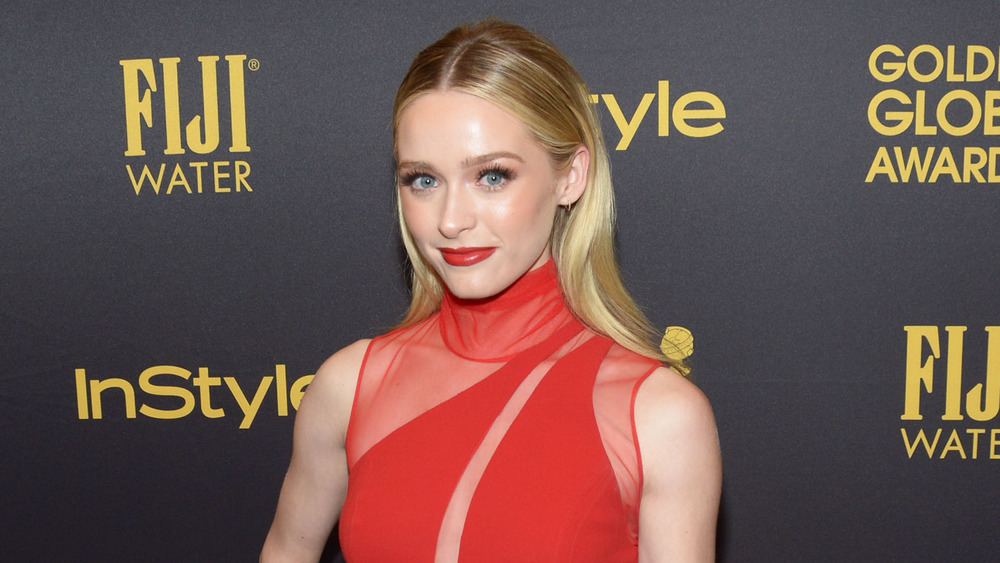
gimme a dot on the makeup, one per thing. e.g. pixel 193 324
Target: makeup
pixel 466 256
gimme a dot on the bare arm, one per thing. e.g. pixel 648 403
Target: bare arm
pixel 316 482
pixel 682 471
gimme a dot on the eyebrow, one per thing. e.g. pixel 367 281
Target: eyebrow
pixel 489 157
pixel 469 162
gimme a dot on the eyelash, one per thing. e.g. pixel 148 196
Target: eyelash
pixel 409 180
pixel 506 175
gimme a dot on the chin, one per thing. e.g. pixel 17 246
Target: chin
pixel 465 291
pixel 471 288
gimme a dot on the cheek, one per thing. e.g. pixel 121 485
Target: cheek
pixel 415 220
pixel 531 214
pixel 528 205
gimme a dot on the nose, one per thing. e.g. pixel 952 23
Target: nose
pixel 457 212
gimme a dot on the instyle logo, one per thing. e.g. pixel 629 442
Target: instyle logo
pixel 955 420
pixel 170 392
pixel 934 107
pixel 693 114
pixel 154 111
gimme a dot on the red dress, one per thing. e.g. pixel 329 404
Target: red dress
pixel 495 430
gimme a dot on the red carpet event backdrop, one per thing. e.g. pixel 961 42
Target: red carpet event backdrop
pixel 198 209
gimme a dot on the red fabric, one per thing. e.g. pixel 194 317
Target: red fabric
pixel 563 481
pixel 496 329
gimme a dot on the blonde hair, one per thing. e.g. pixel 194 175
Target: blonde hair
pixel 521 73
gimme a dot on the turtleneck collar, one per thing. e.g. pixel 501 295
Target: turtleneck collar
pixel 498 327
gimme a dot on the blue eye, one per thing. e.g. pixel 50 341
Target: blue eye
pixel 495 177
pixel 418 181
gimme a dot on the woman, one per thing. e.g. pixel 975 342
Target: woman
pixel 520 412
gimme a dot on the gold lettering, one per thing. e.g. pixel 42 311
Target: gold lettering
pixel 973 163
pixel 204 383
pixel 98 387
pixel 237 104
pixel 298 390
pixel 919 439
pixel 895 68
pixel 219 175
pixel 242 171
pixel 627 127
pixel 991 109
pixel 942 115
pixel 993 175
pixel 984 404
pixel 945 165
pixel 682 113
pixel 951 75
pixel 970 64
pixel 913 163
pixel 172 105
pixel 144 176
pixel 663 108
pixel 902 119
pixel 137 109
pixel 975 432
pixel 197 167
pixel 210 99
pixel 147 385
pixel 178 179
pixel 953 444
pixel 881 165
pixel 249 408
pixel 919 109
pixel 938 63
pixel 953 378
pixel 918 371
pixel 281 387
pixel 82 410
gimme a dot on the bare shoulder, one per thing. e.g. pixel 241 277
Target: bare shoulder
pixel 681 468
pixel 677 435
pixel 330 395
pixel 342 368
pixel 316 482
pixel 675 426
pixel 669 406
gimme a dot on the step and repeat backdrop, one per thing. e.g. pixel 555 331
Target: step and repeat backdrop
pixel 197 211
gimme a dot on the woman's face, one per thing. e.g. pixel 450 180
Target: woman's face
pixel 478 193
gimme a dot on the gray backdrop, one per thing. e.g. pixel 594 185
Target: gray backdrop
pixel 797 275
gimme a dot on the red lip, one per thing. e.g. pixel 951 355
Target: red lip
pixel 466 256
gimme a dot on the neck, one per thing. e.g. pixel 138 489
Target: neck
pixel 498 327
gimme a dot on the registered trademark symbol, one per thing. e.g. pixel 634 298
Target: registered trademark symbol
pixel 253 64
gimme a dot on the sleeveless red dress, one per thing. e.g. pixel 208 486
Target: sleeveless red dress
pixel 495 430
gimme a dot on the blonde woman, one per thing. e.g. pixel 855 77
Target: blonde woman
pixel 521 411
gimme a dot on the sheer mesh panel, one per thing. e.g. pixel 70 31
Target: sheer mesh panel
pixel 412 371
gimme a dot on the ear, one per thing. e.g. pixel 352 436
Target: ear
pixel 575 180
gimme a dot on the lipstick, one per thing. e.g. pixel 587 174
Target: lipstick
pixel 466 256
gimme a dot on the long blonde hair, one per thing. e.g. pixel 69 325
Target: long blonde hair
pixel 523 74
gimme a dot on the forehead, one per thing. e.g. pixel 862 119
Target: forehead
pixel 455 122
